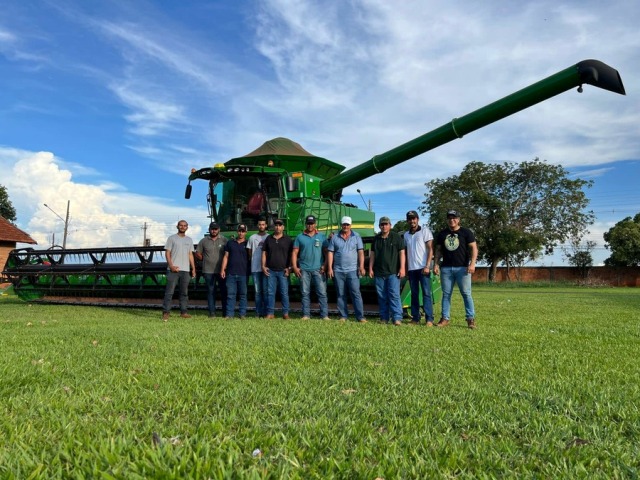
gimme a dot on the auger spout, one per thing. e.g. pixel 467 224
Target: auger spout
pixel 592 72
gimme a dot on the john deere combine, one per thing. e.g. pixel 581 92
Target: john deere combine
pixel 278 180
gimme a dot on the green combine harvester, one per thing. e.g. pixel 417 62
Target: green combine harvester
pixel 280 179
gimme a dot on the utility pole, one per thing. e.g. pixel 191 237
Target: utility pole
pixel 65 220
pixel 66 227
pixel 145 242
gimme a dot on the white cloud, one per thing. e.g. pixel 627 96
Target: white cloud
pixel 101 215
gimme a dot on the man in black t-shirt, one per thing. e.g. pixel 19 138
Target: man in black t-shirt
pixel 276 265
pixel 457 248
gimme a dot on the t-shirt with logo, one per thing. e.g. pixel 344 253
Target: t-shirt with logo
pixel 454 245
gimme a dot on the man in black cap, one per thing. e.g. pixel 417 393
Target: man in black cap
pixel 308 261
pixel 210 251
pixel 457 248
pixel 387 266
pixel 276 265
pixel 235 270
pixel 418 241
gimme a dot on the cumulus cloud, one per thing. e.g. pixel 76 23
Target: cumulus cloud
pixel 101 215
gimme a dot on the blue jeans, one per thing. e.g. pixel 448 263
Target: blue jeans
pixel 388 289
pixel 450 276
pixel 261 287
pixel 236 285
pixel 173 279
pixel 215 282
pixel 419 281
pixel 315 278
pixel 279 281
pixel 344 281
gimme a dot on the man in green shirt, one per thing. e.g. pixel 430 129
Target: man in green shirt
pixel 386 267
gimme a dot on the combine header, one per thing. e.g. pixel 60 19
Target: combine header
pixel 278 180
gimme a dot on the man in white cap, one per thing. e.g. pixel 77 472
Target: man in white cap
pixel 308 263
pixel 345 260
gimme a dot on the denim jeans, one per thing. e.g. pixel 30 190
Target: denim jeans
pixel 388 289
pixel 173 279
pixel 277 280
pixel 344 281
pixel 450 276
pixel 419 281
pixel 317 280
pixel 236 286
pixel 215 283
pixel 261 287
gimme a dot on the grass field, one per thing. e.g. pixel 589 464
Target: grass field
pixel 546 387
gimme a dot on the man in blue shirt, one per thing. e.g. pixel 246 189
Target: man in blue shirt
pixel 308 263
pixel 345 264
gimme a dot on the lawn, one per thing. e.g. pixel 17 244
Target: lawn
pixel 546 387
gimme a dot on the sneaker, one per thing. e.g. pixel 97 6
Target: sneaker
pixel 397 323
pixel 326 318
pixel 443 322
pixel 363 320
pixel 165 317
pixel 429 323
pixel 306 318
pixel 185 315
pixel 471 323
pixel 285 316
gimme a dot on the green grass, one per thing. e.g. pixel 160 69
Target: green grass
pixel 546 387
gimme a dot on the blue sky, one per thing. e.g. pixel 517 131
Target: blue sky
pixel 110 104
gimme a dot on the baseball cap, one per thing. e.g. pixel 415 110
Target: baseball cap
pixel 213 225
pixel 345 220
pixel 412 214
pixel 242 226
pixel 278 221
pixel 310 219
pixel 384 220
pixel 453 213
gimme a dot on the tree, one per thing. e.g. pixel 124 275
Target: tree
pixel 623 239
pixel 400 227
pixel 6 207
pixel 515 210
pixel 579 255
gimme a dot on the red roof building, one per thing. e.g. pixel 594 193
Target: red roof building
pixel 10 235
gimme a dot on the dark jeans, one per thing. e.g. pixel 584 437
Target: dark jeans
pixel 215 282
pixel 236 286
pixel 417 282
pixel 261 286
pixel 173 279
pixel 278 282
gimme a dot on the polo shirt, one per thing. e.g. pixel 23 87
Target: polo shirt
pixel 238 261
pixel 417 251
pixel 212 251
pixel 387 254
pixel 310 250
pixel 345 252
pixel 278 252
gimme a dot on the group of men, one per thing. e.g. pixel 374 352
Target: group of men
pixel 312 257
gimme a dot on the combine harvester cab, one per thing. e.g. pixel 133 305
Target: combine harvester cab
pixel 278 180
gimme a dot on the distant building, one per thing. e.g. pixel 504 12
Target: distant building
pixel 10 235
